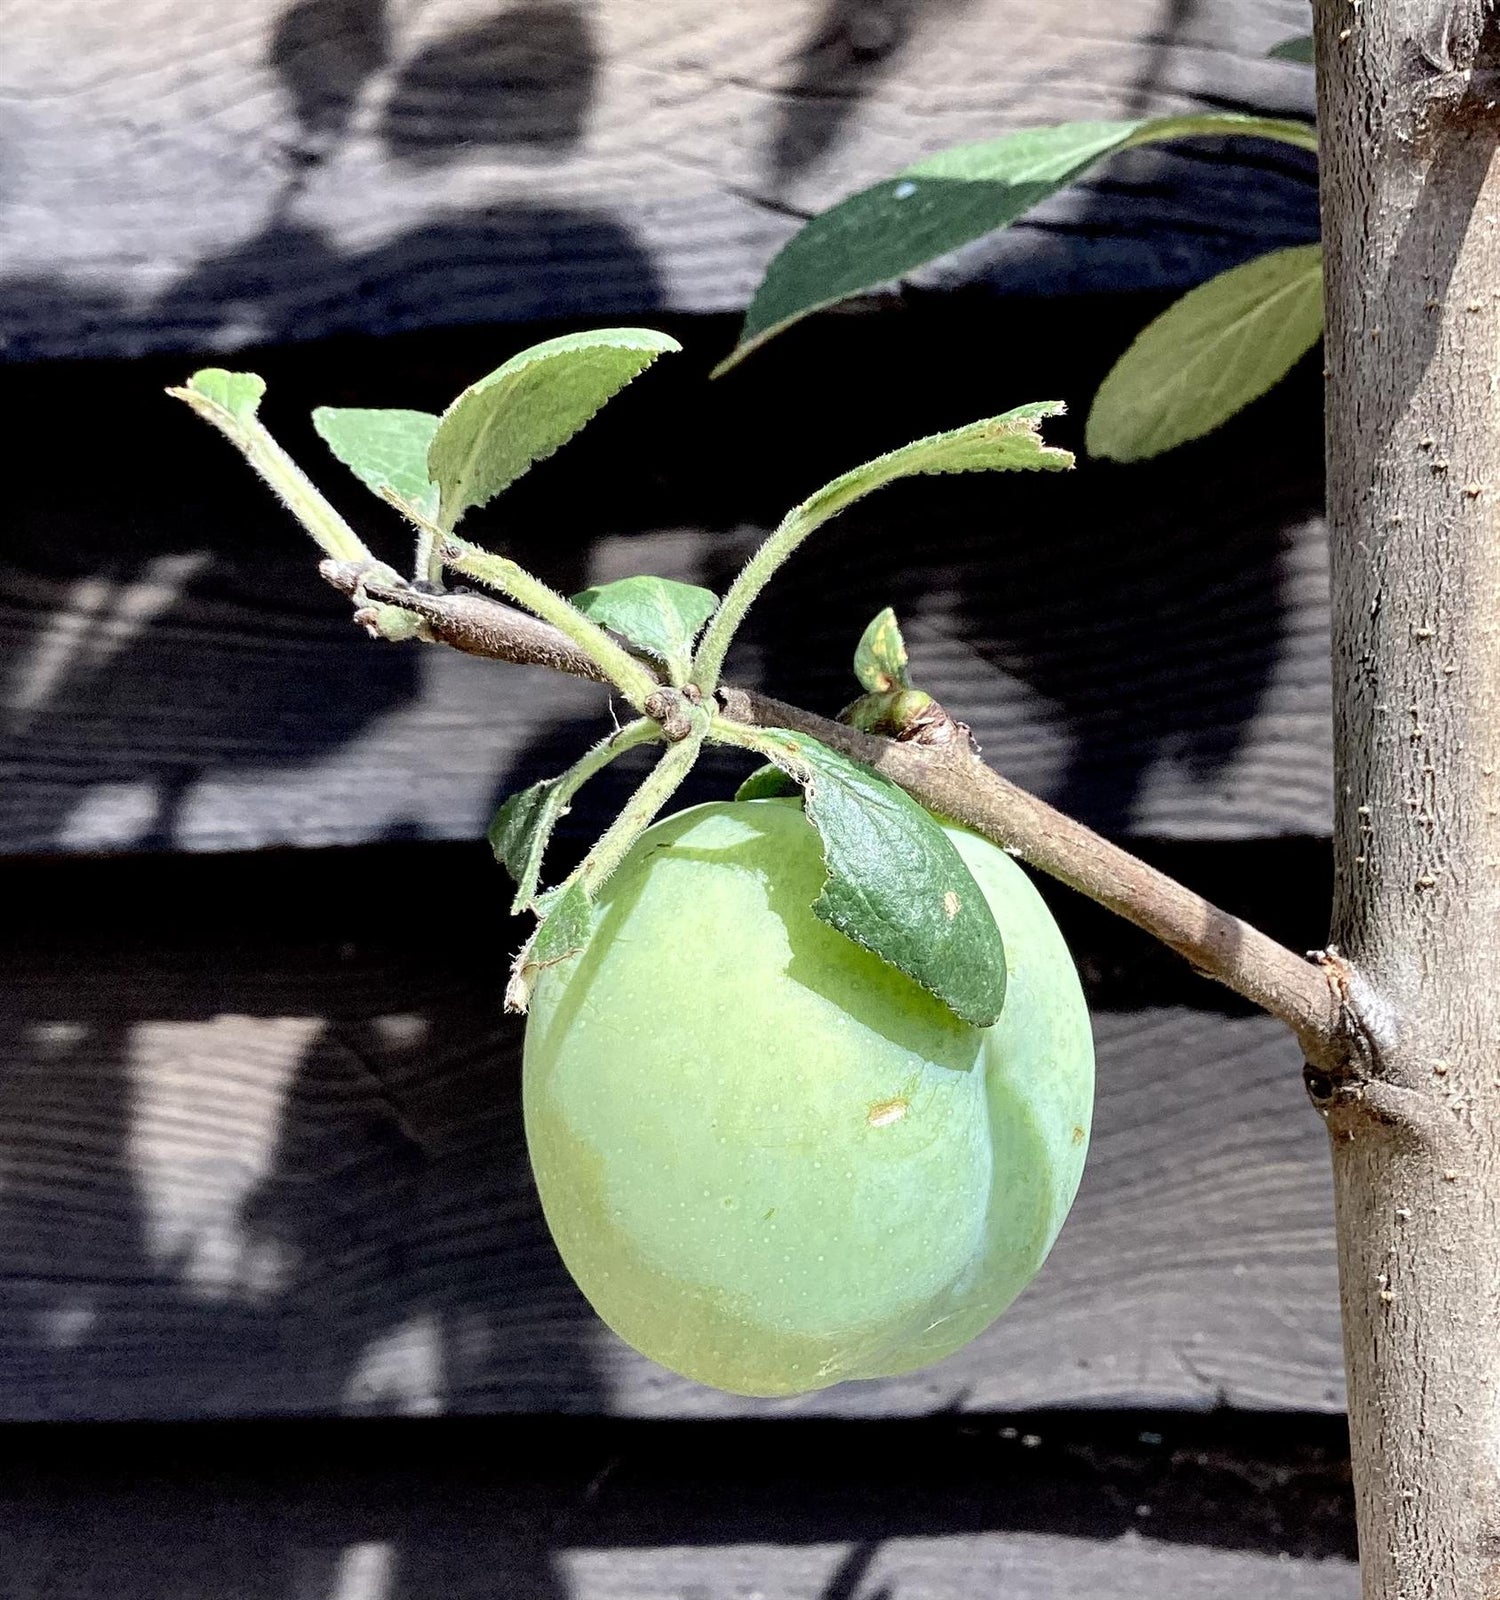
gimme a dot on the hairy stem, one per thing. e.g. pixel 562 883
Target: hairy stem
pixel 795 527
pixel 297 492
pixel 644 730
pixel 629 676
pixel 640 810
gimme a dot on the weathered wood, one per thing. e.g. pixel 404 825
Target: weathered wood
pixel 1144 1507
pixel 260 1153
pixel 1145 647
pixel 176 175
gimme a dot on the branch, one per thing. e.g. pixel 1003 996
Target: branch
pixel 949 779
pixel 938 768
pixel 472 623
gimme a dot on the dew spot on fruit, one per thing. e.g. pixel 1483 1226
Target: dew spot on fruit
pixel 951 904
pixel 884 1112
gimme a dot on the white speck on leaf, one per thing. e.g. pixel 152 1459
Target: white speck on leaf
pixel 904 191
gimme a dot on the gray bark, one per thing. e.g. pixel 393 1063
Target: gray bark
pixel 1411 192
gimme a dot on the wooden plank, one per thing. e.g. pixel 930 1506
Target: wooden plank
pixel 176 175
pixel 260 1153
pixel 1115 1508
pixel 1144 646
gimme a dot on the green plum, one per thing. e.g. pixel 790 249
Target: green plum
pixel 772 1161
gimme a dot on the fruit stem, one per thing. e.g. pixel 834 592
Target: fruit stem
pixel 642 731
pixel 628 675
pixel 640 810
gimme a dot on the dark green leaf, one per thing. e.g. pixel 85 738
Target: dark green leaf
pixel 563 932
pixel 950 200
pixel 519 834
pixel 765 783
pixel 896 884
pixel 1210 354
pixel 1300 49
pixel 880 656
pixel 659 615
pixel 523 411
pixel 385 450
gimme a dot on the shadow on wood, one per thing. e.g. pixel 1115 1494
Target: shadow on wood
pixel 261 1153
pixel 1041 1506
pixel 1145 646
pixel 143 146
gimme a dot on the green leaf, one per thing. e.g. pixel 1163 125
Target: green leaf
pixel 523 411
pixel 658 615
pixel 765 783
pixel 385 450
pixel 520 831
pixel 896 884
pixel 1299 49
pixel 949 200
pixel 562 933
pixel 1210 354
pixel 880 656
pixel 1011 441
pixel 237 393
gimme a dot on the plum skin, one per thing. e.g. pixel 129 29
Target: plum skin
pixel 770 1160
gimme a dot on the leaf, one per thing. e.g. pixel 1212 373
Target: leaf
pixel 1210 354
pixel 880 656
pixel 237 394
pixel 952 199
pixel 523 411
pixel 1011 441
pixel 385 450
pixel 562 933
pixel 519 834
pixel 765 783
pixel 657 614
pixel 1299 49
pixel 896 884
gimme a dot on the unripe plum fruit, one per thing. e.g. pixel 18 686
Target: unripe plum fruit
pixel 772 1161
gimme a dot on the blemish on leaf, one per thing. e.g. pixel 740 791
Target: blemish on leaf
pixel 884 1112
pixel 951 904
pixel 1077 1134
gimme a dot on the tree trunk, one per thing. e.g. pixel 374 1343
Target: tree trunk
pixel 1411 215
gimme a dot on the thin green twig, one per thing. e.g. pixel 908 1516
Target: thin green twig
pixel 640 810
pixel 795 526
pixel 248 434
pixel 642 731
pixel 629 676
